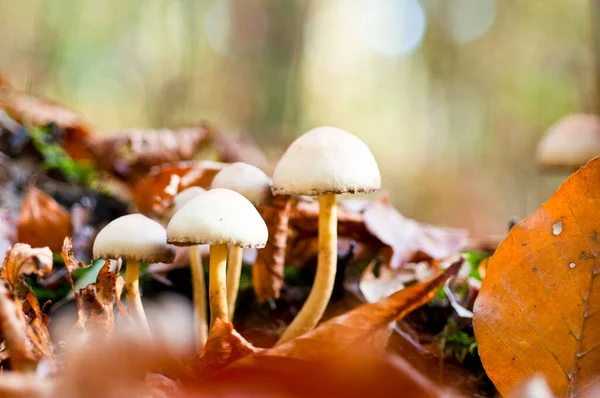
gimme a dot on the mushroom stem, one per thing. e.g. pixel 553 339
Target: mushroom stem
pixel 198 284
pixel 234 272
pixel 132 293
pixel 218 282
pixel 319 296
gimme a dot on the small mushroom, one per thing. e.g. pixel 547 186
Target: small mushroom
pixel 197 271
pixel 134 238
pixel 570 143
pixel 254 185
pixel 218 217
pixel 324 162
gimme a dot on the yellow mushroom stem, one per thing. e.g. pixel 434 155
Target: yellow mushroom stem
pixel 199 288
pixel 319 296
pixel 217 287
pixel 234 272
pixel 132 293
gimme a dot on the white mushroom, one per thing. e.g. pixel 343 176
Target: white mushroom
pixel 218 217
pixel 324 162
pixel 197 271
pixel 254 185
pixel 134 238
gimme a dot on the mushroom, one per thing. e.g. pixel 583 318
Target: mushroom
pixel 254 185
pixel 570 143
pixel 218 217
pixel 324 162
pixel 134 238
pixel 197 271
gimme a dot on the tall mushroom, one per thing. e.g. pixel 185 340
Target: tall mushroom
pixel 218 217
pixel 324 162
pixel 570 143
pixel 197 271
pixel 134 238
pixel 254 185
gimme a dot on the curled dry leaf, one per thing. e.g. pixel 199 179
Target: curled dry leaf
pixel 132 153
pixel 154 193
pixel 267 270
pixel 42 221
pixel 21 260
pixel 95 302
pixel 538 310
pixel 404 237
pixel 223 347
pixel 14 331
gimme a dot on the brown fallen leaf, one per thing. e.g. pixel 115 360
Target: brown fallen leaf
pixel 404 237
pixel 95 302
pixel 238 149
pixel 538 308
pixel 363 328
pixel 32 110
pixel 418 270
pixel 223 347
pixel 22 260
pixel 154 193
pixel 42 221
pixel 268 267
pixel 132 153
pixel 14 331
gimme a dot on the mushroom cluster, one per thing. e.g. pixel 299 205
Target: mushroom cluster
pixel 323 162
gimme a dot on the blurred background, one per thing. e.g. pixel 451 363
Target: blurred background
pixel 450 95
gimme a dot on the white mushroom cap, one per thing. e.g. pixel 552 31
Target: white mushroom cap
pixel 326 160
pixel 134 237
pixel 248 180
pixel 184 196
pixel 570 143
pixel 218 216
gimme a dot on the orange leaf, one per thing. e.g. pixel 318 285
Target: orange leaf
pixel 364 328
pixel 344 356
pixel 154 193
pixel 223 347
pixel 22 259
pixel 268 267
pixel 42 221
pixel 539 307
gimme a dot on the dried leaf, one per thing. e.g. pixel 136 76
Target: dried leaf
pixel 14 330
pixel 21 260
pixel 95 302
pixel 537 311
pixel 268 267
pixel 42 221
pixel 132 153
pixel 31 110
pixel 37 330
pixel 223 347
pixel 363 328
pixel 374 288
pixel 238 149
pixel 405 237
pixel 304 218
pixel 344 356
pixel 154 193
